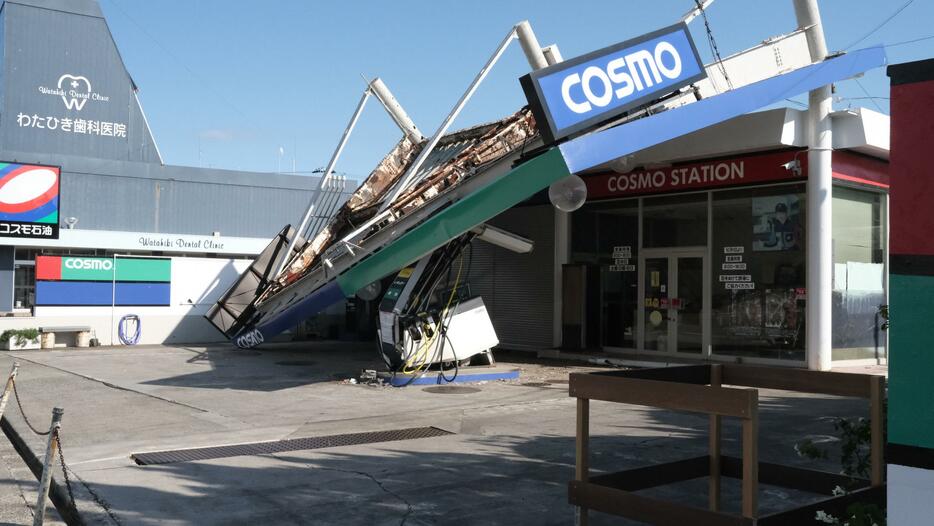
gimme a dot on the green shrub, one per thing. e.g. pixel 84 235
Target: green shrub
pixel 21 336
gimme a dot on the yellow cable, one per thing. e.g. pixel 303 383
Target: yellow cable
pixel 423 349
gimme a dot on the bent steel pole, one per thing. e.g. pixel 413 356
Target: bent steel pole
pixel 818 339
pixel 395 111
pixel 322 185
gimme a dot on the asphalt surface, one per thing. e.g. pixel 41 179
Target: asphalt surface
pixel 508 460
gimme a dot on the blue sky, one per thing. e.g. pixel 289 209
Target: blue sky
pixel 226 83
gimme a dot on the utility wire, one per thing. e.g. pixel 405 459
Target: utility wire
pixel 175 57
pixel 906 42
pixel 713 43
pixel 881 24
pixel 870 97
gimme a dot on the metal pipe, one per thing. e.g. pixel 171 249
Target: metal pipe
pixel 8 388
pixel 324 179
pixel 695 11
pixel 818 340
pixel 395 111
pixel 149 130
pixel 423 155
pixel 533 51
pixel 51 448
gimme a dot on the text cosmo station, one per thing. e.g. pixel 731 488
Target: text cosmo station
pixel 646 181
pixel 75 150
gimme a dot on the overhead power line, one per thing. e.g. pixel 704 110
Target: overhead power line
pixel 881 24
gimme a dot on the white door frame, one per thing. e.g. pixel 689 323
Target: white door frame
pixel 672 254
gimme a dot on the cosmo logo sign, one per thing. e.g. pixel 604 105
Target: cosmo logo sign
pixel 590 89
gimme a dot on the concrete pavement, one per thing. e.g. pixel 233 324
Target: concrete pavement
pixel 508 461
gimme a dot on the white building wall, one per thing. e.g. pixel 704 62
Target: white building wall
pixel 196 284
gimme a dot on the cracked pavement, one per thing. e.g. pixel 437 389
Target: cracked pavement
pixel 508 462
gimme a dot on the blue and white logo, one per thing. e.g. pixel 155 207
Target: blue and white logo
pixel 573 95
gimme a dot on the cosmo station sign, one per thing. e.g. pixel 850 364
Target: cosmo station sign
pixel 590 89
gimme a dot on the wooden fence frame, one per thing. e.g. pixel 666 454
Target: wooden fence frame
pixel 699 388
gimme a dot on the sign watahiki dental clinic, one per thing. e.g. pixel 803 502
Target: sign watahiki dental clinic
pixel 579 93
pixel 29 201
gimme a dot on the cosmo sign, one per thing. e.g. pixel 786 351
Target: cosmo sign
pixel 579 93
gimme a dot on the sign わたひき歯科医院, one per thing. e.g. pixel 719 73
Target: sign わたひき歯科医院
pixel 29 201
pixel 578 93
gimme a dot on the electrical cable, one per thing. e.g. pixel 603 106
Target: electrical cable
pixel 121 329
pixel 881 24
pixel 431 348
pixel 713 44
pixel 912 41
pixel 870 97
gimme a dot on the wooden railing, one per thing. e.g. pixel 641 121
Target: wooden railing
pixel 700 389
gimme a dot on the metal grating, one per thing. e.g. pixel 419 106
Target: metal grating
pixel 282 446
pixel 451 389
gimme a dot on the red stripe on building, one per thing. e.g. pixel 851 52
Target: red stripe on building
pixel 48 268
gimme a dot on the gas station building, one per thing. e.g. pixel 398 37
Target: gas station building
pixel 696 249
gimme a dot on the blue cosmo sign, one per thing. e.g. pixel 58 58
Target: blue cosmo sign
pixel 576 94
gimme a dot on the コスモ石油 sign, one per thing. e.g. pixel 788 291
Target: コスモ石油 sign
pixel 29 201
pixel 745 170
pixel 587 90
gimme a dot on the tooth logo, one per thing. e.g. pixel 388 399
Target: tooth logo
pixel 75 90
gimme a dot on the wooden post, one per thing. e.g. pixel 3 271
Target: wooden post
pixel 51 449
pixel 876 421
pixel 716 377
pixel 583 452
pixel 8 390
pixel 751 458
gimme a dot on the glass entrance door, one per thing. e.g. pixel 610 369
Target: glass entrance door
pixel 674 314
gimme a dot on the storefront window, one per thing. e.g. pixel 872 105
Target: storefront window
pixel 859 274
pixel 24 278
pixel 675 221
pixel 758 294
pixel 606 235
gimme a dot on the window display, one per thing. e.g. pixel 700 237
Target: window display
pixel 759 294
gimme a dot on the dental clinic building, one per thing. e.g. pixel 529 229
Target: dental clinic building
pixel 93 225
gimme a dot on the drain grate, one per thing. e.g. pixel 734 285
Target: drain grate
pixel 557 380
pixel 535 384
pixel 451 389
pixel 281 446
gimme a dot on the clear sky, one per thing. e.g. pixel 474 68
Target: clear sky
pixel 226 83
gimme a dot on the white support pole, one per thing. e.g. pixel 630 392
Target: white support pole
pixel 323 184
pixel 423 155
pixel 818 343
pixel 395 111
pixel 531 48
pixel 562 253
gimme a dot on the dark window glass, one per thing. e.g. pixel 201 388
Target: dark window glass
pixel 607 235
pixel 675 221
pixel 758 281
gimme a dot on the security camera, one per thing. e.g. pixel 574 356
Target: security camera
pixel 793 166
pixel 71 222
